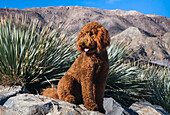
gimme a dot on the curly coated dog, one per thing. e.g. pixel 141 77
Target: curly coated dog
pixel 85 81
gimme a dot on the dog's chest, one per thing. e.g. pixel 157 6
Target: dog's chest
pixel 94 59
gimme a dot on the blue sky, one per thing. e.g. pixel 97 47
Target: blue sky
pixel 159 7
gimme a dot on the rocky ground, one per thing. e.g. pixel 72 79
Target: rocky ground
pixel 18 101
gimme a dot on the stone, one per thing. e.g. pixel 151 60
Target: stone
pixel 15 102
pixel 7 92
pixel 114 108
pixel 29 104
pixel 146 108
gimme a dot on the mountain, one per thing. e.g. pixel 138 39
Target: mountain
pixel 148 36
pixel 143 46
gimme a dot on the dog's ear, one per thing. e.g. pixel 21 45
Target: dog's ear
pixel 103 39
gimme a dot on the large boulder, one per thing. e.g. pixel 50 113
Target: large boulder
pixel 146 108
pixel 29 104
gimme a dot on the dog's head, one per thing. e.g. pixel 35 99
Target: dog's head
pixel 93 38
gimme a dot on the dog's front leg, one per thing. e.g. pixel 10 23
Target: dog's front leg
pixel 87 90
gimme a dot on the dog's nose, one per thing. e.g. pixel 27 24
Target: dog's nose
pixel 83 43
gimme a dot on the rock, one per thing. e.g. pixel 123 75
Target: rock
pixel 113 108
pixel 7 92
pixel 15 102
pixel 162 62
pixel 29 104
pixel 145 108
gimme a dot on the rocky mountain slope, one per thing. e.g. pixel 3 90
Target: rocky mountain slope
pixel 145 47
pixel 147 35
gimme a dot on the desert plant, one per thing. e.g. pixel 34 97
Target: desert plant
pixel 30 56
pixel 122 83
pixel 159 84
pixel 134 81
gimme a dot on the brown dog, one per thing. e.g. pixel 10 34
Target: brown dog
pixel 85 81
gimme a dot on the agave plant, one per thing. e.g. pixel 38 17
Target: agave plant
pixel 159 85
pixel 31 56
pixel 122 83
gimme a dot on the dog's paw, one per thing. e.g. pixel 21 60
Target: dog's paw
pixel 91 106
pixel 70 99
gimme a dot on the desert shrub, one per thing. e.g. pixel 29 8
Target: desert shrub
pixel 32 56
pixel 136 81
pixel 158 85
pixel 122 83
pixel 130 81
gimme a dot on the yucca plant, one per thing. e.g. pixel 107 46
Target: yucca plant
pixel 30 56
pixel 122 83
pixel 159 85
pixel 129 82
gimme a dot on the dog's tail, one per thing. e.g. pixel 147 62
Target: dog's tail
pixel 50 92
